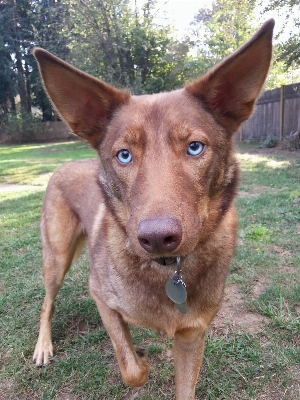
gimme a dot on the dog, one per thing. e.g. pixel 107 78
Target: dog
pixel 156 206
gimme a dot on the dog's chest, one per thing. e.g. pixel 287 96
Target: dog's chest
pixel 140 297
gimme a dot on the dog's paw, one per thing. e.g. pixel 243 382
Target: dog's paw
pixel 136 372
pixel 41 354
pixel 142 353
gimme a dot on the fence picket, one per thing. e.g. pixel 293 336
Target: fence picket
pixel 277 114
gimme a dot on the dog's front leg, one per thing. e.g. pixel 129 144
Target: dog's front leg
pixel 188 354
pixel 133 363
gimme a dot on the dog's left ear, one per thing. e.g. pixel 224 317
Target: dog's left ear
pixel 84 102
pixel 230 89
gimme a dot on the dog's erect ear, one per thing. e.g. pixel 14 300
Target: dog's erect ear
pixel 230 89
pixel 84 102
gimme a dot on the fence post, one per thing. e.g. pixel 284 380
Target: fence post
pixel 282 92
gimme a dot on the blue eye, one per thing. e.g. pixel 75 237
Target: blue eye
pixel 124 156
pixel 195 148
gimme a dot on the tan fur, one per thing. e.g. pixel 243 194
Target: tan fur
pixel 179 204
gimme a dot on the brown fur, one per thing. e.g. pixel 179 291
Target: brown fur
pixel 163 189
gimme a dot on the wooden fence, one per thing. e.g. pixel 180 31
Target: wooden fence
pixel 50 132
pixel 277 114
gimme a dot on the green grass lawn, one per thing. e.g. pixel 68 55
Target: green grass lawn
pixel 34 164
pixel 253 349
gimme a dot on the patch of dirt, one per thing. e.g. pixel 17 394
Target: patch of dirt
pixel 2 288
pixel 167 355
pixel 244 195
pixel 287 269
pixel 297 308
pixel 295 373
pixel 284 255
pixel 233 315
pixel 259 287
pixel 78 327
pixel 7 391
pixel 277 391
pixel 20 251
pixel 65 393
pixel 258 190
pixel 133 393
pixel 281 251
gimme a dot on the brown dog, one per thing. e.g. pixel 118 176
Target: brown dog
pixel 160 192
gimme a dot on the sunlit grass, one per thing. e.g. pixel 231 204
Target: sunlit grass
pixel 250 161
pixel 237 365
pixel 34 164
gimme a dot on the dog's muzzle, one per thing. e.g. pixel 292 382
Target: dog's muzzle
pixel 159 235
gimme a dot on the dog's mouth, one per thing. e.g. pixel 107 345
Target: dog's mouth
pixel 167 260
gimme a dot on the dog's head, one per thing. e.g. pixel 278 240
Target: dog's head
pixel 168 157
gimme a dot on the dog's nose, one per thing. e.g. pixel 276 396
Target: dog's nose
pixel 159 235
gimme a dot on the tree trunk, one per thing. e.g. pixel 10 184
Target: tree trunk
pixel 27 74
pixel 110 51
pixel 21 83
pixel 5 110
pixel 12 104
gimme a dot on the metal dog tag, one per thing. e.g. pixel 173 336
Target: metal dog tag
pixel 182 307
pixel 175 289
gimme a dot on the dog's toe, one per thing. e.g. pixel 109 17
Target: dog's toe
pixel 39 360
pixel 39 365
pixel 41 355
pixel 42 360
pixel 142 353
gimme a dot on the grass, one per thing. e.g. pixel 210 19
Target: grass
pixel 239 363
pixel 34 164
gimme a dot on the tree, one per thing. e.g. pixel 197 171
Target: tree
pixel 24 24
pixel 223 28
pixel 228 24
pixel 124 47
pixel 10 83
pixel 50 31
pixel 106 38
pixel 289 50
pixel 7 84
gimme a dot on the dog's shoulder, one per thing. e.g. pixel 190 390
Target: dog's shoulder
pixel 73 180
pixel 75 172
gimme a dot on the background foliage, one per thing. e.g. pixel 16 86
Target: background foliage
pixel 125 45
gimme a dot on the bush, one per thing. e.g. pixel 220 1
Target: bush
pixel 23 127
pixel 269 142
pixel 292 142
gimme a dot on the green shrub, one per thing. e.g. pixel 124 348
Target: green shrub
pixel 270 142
pixel 292 142
pixel 23 127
